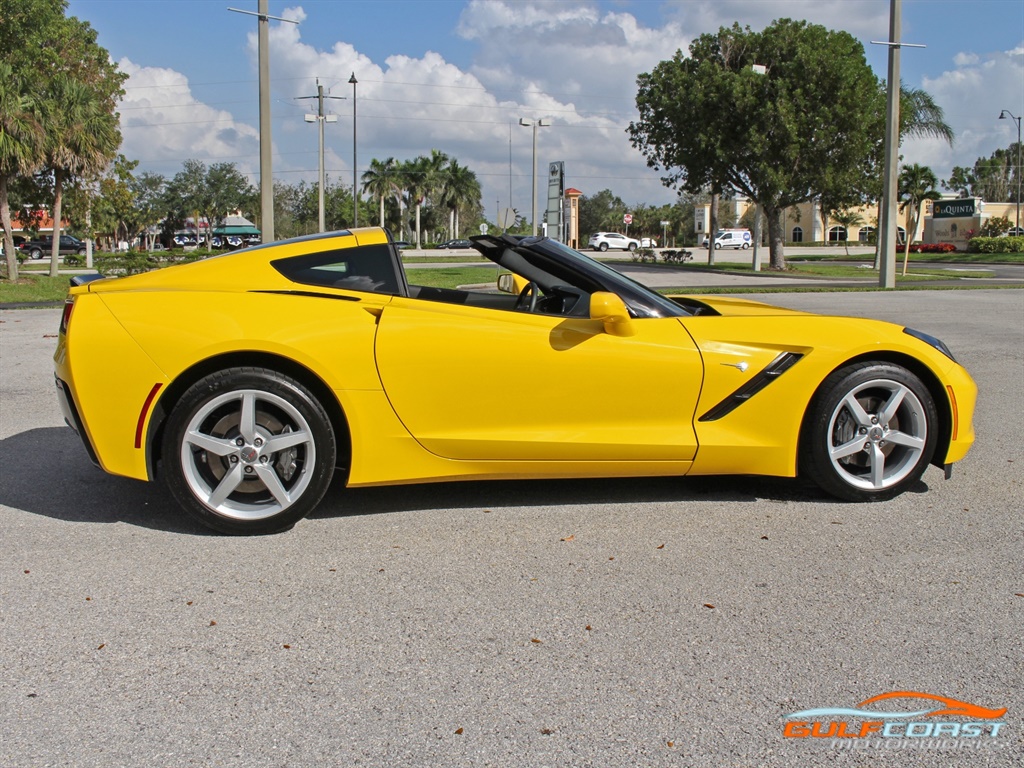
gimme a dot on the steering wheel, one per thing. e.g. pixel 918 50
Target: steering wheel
pixel 527 300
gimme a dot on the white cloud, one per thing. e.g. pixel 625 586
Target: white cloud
pixel 972 94
pixel 163 123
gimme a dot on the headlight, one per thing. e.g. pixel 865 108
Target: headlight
pixel 930 341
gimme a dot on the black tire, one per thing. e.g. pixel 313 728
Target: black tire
pixel 603 247
pixel 632 247
pixel 35 253
pixel 870 432
pixel 248 451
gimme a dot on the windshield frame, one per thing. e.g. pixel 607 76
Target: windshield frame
pixel 557 258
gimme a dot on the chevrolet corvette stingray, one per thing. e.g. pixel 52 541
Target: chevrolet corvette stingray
pixel 246 380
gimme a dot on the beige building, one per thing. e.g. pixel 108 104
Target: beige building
pixel 957 221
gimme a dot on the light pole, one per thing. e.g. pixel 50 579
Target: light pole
pixel 1002 116
pixel 537 123
pixel 355 188
pixel 266 169
pixel 321 118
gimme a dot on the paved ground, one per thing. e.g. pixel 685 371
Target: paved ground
pixel 600 623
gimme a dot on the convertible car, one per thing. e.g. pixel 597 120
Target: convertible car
pixel 244 381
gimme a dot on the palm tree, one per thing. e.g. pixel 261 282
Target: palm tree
pixel 847 218
pixel 21 149
pixel 383 179
pixel 460 188
pixel 916 184
pixel 921 117
pixel 82 136
pixel 417 177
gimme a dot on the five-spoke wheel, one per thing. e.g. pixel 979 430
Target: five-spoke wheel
pixel 870 433
pixel 248 450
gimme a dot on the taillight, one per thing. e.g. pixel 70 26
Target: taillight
pixel 65 318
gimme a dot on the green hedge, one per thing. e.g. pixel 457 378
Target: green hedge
pixel 134 262
pixel 996 244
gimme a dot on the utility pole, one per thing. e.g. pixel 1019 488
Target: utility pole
pixel 355 181
pixel 266 169
pixel 321 118
pixel 887 227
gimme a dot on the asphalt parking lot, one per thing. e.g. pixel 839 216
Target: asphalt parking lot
pixel 601 623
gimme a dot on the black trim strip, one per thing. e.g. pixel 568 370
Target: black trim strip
pixel 775 368
pixel 311 294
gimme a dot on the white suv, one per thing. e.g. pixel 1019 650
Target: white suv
pixel 602 241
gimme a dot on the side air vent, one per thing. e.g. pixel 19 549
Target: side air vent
pixel 775 368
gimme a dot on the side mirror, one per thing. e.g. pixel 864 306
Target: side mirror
pixel 611 310
pixel 511 283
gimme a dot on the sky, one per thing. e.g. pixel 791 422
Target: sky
pixel 457 76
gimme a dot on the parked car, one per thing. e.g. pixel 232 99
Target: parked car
pixel 455 244
pixel 602 241
pixel 42 246
pixel 172 374
pixel 731 238
pixel 648 242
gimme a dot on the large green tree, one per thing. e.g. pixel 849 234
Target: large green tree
pixel 992 178
pixel 776 115
pixel 57 63
pixel 211 193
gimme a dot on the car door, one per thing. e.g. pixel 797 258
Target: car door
pixel 476 383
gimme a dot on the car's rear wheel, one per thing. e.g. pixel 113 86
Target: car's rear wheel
pixel 603 247
pixel 248 450
pixel 870 432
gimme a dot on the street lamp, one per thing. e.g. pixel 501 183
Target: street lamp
pixel 1002 116
pixel 536 124
pixel 321 118
pixel 355 190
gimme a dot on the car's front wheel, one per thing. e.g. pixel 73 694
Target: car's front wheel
pixel 632 247
pixel 248 451
pixel 870 432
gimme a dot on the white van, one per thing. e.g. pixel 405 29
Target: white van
pixel 731 238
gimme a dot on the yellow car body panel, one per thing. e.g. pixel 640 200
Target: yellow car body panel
pixel 110 374
pixel 467 394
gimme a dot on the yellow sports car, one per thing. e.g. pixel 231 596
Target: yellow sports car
pixel 245 380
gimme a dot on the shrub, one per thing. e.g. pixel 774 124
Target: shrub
pixel 996 244
pixel 994 227
pixel 932 248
